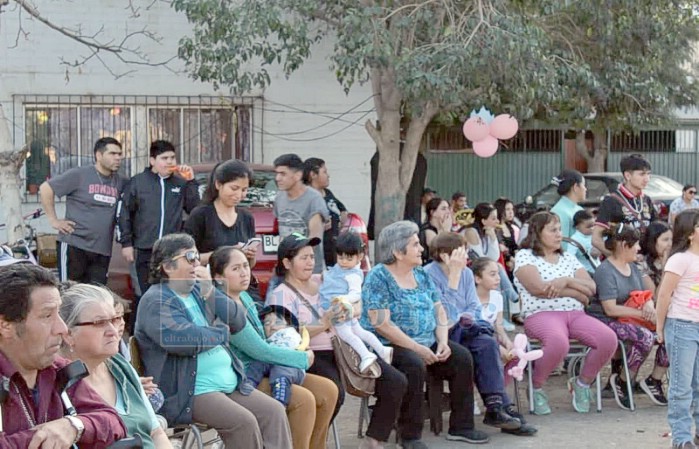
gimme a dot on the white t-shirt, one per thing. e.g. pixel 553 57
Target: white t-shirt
pixel 493 307
pixel 684 304
pixel 566 267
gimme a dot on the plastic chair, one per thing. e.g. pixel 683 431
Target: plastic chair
pixel 576 350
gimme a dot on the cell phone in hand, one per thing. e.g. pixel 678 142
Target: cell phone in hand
pixel 253 243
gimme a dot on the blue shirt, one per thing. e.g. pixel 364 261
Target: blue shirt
pixel 586 242
pixel 335 283
pixel 412 309
pixel 214 370
pixel 565 208
pixel 462 300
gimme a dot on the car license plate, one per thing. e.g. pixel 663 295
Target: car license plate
pixel 270 243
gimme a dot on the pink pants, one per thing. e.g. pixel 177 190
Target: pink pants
pixel 554 329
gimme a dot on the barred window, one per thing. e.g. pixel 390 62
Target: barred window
pixel 60 131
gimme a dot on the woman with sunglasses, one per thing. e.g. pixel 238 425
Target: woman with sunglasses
pixel 686 201
pixel 92 337
pixel 183 329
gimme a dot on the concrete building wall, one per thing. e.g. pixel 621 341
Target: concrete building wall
pixel 302 114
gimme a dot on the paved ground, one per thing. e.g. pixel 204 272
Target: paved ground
pixel 646 428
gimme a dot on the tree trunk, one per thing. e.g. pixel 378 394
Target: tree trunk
pixel 396 167
pixel 596 157
pixel 10 164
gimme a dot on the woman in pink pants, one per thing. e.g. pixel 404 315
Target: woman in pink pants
pixel 555 288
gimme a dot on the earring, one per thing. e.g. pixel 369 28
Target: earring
pixel 70 349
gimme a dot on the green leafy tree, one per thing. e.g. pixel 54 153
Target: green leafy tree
pixel 640 56
pixel 422 59
pixel 441 58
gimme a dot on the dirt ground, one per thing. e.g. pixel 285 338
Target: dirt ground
pixel 645 428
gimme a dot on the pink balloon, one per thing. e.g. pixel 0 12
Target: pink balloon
pixel 476 129
pixel 486 147
pixel 504 127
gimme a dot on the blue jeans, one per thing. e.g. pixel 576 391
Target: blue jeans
pixel 682 341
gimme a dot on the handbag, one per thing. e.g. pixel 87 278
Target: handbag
pixel 347 360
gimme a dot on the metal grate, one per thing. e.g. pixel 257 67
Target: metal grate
pixel 59 130
pixel 451 139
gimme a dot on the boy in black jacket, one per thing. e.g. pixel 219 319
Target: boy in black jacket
pixel 151 207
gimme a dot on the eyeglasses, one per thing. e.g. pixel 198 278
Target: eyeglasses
pixel 103 322
pixel 191 257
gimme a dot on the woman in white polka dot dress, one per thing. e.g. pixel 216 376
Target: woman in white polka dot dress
pixel 555 288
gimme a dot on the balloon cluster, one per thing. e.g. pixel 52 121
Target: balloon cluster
pixel 484 129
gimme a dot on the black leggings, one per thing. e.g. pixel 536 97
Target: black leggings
pixel 390 390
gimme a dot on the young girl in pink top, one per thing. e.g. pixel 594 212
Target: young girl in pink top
pixel 678 326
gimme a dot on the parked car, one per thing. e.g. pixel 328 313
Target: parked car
pixel 661 189
pixel 259 202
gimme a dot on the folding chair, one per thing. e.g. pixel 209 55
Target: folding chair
pixel 190 434
pixel 576 350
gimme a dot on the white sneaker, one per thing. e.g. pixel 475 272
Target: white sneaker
pixel 509 327
pixel 387 354
pixel 366 363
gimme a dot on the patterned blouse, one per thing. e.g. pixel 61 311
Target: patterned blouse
pixel 412 309
pixel 566 267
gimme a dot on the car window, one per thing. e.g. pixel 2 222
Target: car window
pixel 658 186
pixel 262 191
pixel 547 197
pixel 596 189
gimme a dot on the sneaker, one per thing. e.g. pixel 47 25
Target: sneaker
pixel 366 363
pixel 387 354
pixel 497 417
pixel 509 327
pixel 685 445
pixel 513 412
pixel 525 430
pixel 541 403
pixel 469 436
pixel 581 395
pixel 476 409
pixel 413 444
pixel 620 392
pixel 654 389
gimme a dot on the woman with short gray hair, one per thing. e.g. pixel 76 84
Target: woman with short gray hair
pixel 88 311
pixel 394 238
pixel 404 309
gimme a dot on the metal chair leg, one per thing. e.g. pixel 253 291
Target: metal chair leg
pixel 530 384
pixel 363 417
pixel 336 436
pixel 629 381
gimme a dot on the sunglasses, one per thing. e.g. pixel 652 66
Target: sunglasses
pixel 103 322
pixel 191 257
pixel 692 192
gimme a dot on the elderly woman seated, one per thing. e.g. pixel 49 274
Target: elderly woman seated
pixel 456 285
pixel 88 312
pixel 403 307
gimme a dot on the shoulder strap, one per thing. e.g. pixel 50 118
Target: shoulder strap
pixel 303 299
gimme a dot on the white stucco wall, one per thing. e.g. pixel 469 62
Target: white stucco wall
pixel 34 67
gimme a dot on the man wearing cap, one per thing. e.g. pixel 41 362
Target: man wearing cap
pixel 297 207
pixel 427 195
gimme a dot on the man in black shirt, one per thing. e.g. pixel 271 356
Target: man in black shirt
pixel 315 174
pixel 627 204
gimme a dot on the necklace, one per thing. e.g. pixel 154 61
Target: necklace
pixel 25 408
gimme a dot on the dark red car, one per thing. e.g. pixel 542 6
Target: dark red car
pixel 259 202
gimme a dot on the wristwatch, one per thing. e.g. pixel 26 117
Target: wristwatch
pixel 77 425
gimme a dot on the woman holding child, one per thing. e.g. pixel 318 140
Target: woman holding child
pixel 618 279
pixel 403 307
pixel 311 405
pixel 299 293
pixel 555 289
